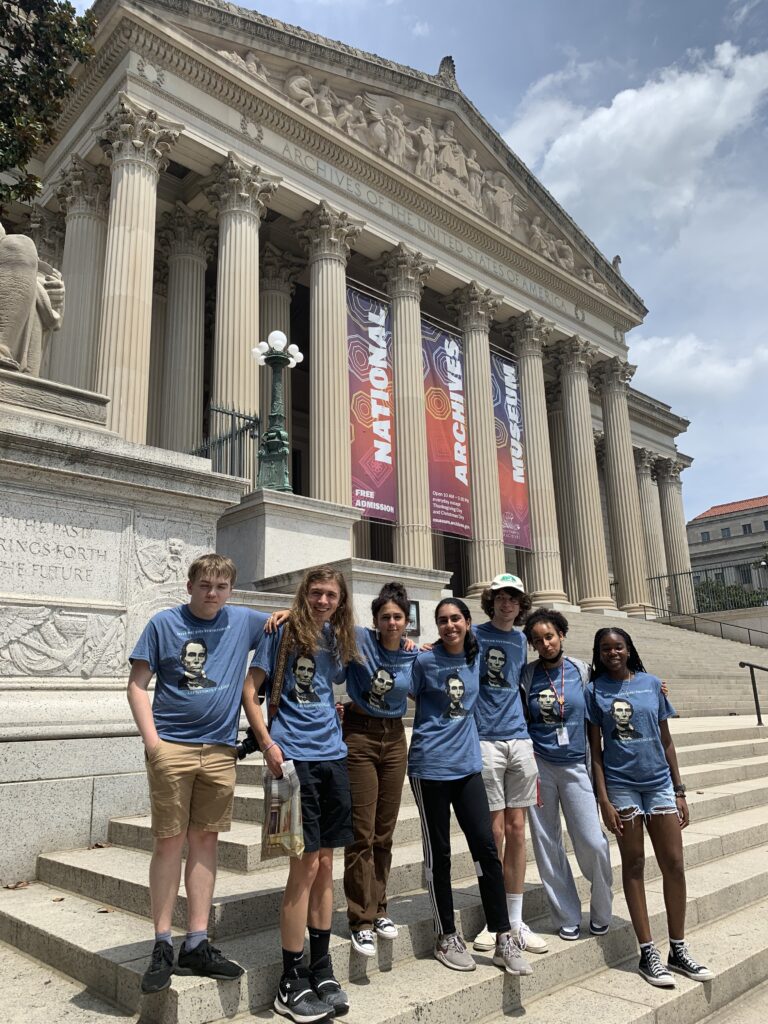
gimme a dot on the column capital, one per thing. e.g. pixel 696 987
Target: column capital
pixel 278 269
pixel 404 272
pixel 669 470
pixel 576 355
pixel 185 232
pixel 473 306
pixel 237 187
pixel 645 460
pixel 132 134
pixel 528 333
pixel 612 375
pixel 84 188
pixel 47 232
pixel 326 233
pixel 160 274
pixel 553 390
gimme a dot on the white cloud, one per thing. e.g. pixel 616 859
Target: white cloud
pixel 420 28
pixel 682 368
pixel 740 10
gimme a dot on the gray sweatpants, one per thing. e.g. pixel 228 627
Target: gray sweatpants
pixel 569 787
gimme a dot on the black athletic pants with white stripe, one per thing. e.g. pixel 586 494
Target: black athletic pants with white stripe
pixel 467 797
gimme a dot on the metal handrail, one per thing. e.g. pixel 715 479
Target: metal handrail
pixel 752 667
pixel 663 613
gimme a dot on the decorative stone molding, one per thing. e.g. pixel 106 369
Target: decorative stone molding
pixel 528 334
pixel 669 470
pixel 160 273
pixel 645 461
pixel 612 374
pixel 43 641
pixel 576 355
pixel 473 306
pixel 238 187
pixel 133 135
pixel 404 272
pixel 327 234
pixel 185 232
pixel 84 189
pixel 150 73
pixel 278 270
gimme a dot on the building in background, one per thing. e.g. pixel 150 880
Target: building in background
pixel 729 546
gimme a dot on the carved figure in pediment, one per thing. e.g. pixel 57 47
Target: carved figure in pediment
pixel 325 100
pixel 505 214
pixel 424 145
pixel 450 154
pixel 487 194
pixel 377 130
pixel 541 240
pixel 351 119
pixel 616 263
pixel 564 255
pixel 398 144
pixel 475 178
pixel 256 67
pixel 299 87
pixel 587 274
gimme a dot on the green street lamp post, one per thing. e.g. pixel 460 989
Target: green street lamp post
pixel 274 450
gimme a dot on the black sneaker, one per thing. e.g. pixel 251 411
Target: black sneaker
pixel 158 975
pixel 327 988
pixel 680 960
pixel 296 998
pixel 652 968
pixel 208 962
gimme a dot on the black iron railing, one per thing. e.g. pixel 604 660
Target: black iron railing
pixel 760 668
pixel 232 443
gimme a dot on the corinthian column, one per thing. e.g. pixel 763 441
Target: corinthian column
pixel 186 239
pixel 576 356
pixel 138 142
pixel 278 271
pixel 241 194
pixel 157 347
pixel 404 273
pixel 675 538
pixel 529 334
pixel 474 306
pixel 562 483
pixel 650 516
pixel 327 235
pixel 84 194
pixel 612 378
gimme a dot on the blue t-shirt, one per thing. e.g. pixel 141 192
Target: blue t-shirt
pixel 499 710
pixel 306 726
pixel 444 744
pixel 200 666
pixel 547 716
pixel 628 714
pixel 381 683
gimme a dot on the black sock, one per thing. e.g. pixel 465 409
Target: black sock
pixel 319 940
pixel 292 960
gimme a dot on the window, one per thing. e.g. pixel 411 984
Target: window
pixel 745 573
pixel 719 576
pixel 765 524
pixel 705 536
pixel 746 527
pixel 696 579
pixel 725 532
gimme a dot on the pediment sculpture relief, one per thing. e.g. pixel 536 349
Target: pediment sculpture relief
pixel 432 152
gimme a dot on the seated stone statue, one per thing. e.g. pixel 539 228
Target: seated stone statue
pixel 31 303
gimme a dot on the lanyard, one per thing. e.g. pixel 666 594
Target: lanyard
pixel 561 698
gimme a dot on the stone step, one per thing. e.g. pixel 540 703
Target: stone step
pixel 109 951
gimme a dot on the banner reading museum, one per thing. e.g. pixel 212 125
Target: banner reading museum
pixel 372 426
pixel 510 452
pixel 447 440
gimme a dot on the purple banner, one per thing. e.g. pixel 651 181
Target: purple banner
pixel 510 452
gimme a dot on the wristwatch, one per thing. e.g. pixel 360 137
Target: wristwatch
pixel 680 790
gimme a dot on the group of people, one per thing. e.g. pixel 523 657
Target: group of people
pixel 494 737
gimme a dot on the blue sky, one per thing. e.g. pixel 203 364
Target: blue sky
pixel 648 121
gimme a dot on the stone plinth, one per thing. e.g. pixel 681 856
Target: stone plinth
pixel 272 532
pixel 366 578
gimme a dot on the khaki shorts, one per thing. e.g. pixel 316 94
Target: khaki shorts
pixel 509 773
pixel 191 785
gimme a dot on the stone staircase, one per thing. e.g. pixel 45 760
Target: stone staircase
pixel 87 916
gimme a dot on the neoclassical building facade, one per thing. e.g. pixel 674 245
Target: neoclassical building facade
pixel 218 175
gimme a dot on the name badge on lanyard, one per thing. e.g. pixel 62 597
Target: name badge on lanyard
pixel 562 736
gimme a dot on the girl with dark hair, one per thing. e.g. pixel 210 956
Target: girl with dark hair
pixel 554 689
pixel 378 687
pixel 638 786
pixel 444 769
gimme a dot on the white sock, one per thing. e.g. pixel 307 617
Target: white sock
pixel 515 909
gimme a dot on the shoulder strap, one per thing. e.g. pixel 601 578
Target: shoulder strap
pixel 278 675
pixel 582 668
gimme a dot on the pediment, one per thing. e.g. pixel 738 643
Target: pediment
pixel 420 123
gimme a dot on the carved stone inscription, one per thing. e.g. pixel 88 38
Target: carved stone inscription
pixel 61 548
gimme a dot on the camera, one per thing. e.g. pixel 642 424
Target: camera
pixel 247 744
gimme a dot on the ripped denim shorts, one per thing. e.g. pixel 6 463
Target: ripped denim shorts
pixel 630 803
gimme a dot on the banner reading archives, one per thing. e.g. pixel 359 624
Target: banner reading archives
pixel 510 452
pixel 447 441
pixel 372 428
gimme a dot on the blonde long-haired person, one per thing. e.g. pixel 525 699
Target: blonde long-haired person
pixel 306 729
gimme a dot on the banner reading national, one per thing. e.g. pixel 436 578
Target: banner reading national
pixel 447 438
pixel 372 423
pixel 510 452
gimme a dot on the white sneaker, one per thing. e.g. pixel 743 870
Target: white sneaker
pixel 385 928
pixel 530 941
pixel 364 942
pixel 509 955
pixel 484 941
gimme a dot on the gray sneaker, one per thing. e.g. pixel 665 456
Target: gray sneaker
pixel 509 954
pixel 451 951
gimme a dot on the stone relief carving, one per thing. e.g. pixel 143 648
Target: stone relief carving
pixel 160 562
pixel 44 641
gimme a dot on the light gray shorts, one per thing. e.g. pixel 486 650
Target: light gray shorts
pixel 509 773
